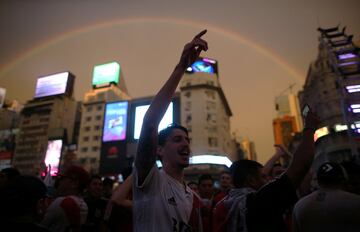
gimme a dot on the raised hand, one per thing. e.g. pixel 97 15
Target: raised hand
pixel 193 49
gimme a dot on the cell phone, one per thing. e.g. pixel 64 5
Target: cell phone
pixel 306 110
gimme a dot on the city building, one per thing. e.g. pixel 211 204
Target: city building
pixel 332 89
pixel 9 122
pixel 49 116
pixel 108 85
pixel 206 113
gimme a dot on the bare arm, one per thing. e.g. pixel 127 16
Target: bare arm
pixel 120 195
pixel 304 154
pixel 146 153
pixel 281 152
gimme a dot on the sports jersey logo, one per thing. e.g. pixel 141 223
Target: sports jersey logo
pixel 172 201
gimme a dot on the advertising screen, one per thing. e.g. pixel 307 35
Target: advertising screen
pixel 205 65
pixel 139 117
pixel 51 85
pixel 53 154
pixel 115 121
pixel 105 74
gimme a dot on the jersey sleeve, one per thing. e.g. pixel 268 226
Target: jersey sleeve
pixel 151 181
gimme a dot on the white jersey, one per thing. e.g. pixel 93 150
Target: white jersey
pixel 161 203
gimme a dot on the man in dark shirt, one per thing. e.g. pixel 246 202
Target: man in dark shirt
pixel 254 206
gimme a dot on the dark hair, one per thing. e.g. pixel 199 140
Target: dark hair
pixel 331 173
pixel 22 195
pixel 225 172
pixel 165 133
pixel 204 177
pixel 11 173
pixel 242 169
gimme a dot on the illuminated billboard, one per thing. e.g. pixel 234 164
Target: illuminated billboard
pixel 115 121
pixel 105 74
pixel 205 65
pixel 139 117
pixel 51 85
pixel 53 154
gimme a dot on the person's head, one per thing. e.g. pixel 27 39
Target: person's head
pixel 174 146
pixel 108 185
pixel 331 175
pixel 7 175
pixel 225 180
pixel 24 196
pixel 194 186
pixel 247 173
pixel 206 188
pixel 73 181
pixel 95 186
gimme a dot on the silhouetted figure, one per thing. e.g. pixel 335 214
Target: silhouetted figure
pixel 23 204
pixel 254 205
pixel 68 212
pixel 330 208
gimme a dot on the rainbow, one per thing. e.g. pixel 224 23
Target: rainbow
pixel 143 20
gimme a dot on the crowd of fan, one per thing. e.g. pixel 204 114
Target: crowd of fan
pixel 94 203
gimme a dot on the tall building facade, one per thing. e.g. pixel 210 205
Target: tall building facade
pixel 288 120
pixel 332 89
pixel 205 111
pixel 9 123
pixel 109 87
pixel 50 115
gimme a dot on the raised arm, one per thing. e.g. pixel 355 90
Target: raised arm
pixel 304 154
pixel 147 147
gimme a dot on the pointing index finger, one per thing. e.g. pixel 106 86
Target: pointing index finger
pixel 200 34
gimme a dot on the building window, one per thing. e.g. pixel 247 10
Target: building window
pixel 86 138
pixel 187 106
pixel 210 94
pixel 98 108
pixel 84 149
pixel 210 105
pixel 97 127
pixel 87 128
pixel 98 117
pixel 89 108
pixel 88 119
pixel 94 148
pixel 187 94
pixel 93 160
pixel 96 138
pixel 212 142
pixel 188 119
